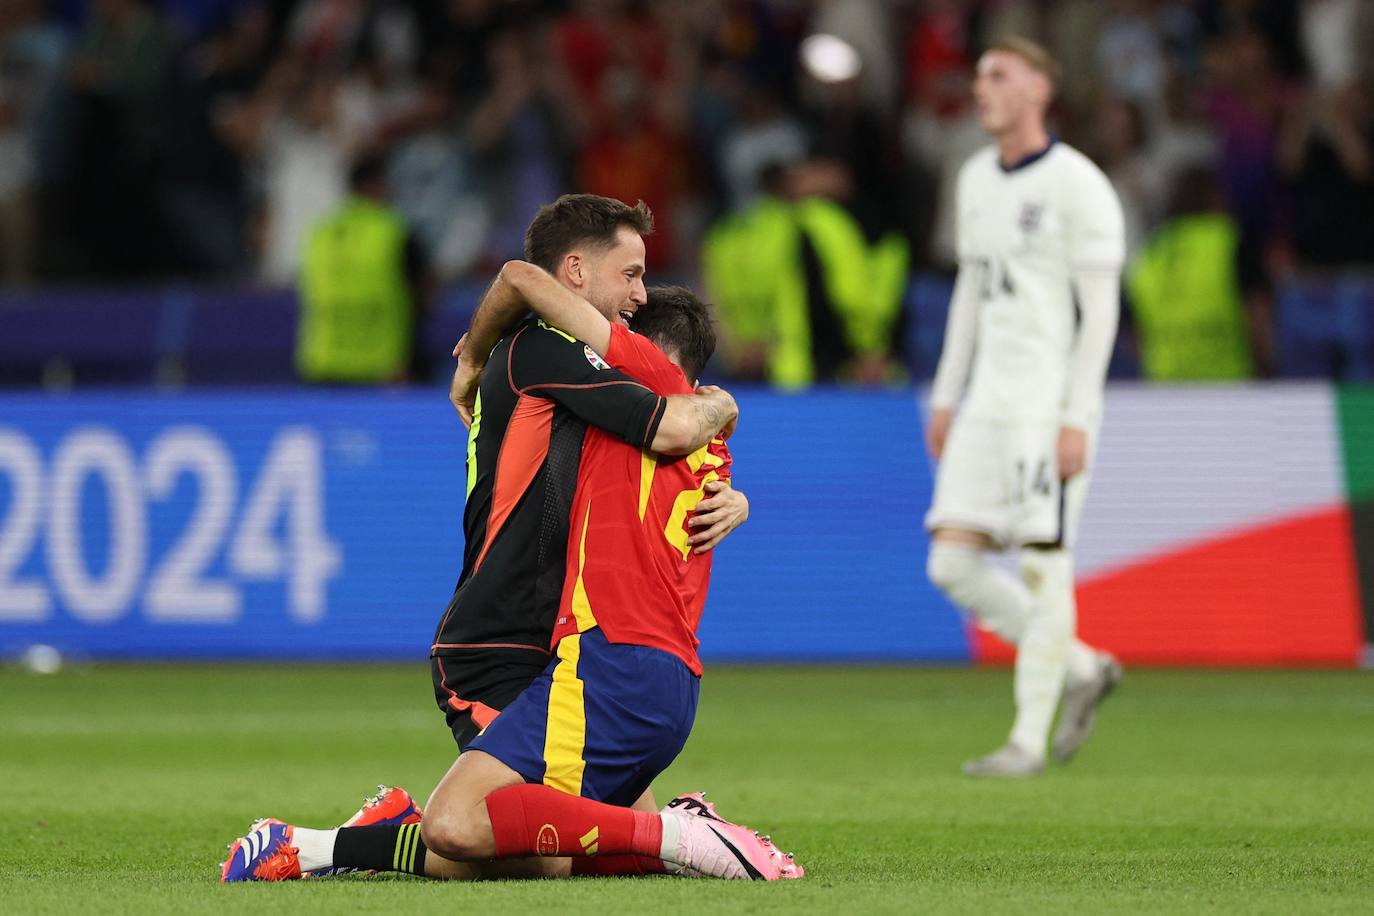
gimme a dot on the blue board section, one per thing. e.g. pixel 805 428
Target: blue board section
pixel 328 525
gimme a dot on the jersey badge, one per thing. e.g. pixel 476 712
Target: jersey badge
pixel 1030 216
pixel 595 358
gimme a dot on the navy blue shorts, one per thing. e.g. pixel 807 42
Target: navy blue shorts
pixel 602 720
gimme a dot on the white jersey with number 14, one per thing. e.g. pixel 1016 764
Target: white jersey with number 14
pixel 1024 234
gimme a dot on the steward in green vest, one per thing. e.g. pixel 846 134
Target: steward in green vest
pixel 802 295
pixel 1186 296
pixel 751 265
pixel 359 296
pixel 854 293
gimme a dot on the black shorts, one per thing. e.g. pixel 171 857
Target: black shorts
pixel 472 686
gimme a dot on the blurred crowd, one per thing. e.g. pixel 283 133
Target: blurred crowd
pixel 144 139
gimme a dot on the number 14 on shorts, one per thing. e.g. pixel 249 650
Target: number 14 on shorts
pixel 1041 483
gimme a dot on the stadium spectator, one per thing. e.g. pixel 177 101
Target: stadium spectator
pixel 938 129
pixel 456 37
pixel 437 187
pixel 937 51
pixel 629 69
pixel 520 131
pixel 1326 308
pixel 1243 98
pixel 1329 30
pixel 1182 138
pixel 30 63
pixel 1072 26
pixel 379 94
pixel 1327 155
pixel 364 290
pixel 324 34
pixel 295 132
pixel 764 133
pixel 1123 152
pixel 1129 52
pixel 206 188
pixel 635 153
pixel 1274 24
pixel 114 138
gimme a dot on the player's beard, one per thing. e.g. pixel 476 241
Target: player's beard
pixel 609 307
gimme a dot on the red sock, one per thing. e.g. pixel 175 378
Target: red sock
pixel 618 866
pixel 530 820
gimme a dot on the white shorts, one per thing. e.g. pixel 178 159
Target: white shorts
pixel 1002 479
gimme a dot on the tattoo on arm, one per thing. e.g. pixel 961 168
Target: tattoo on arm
pixel 709 419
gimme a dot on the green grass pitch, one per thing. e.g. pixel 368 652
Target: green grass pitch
pixel 1242 792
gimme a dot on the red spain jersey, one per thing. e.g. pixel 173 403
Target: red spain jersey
pixel 630 569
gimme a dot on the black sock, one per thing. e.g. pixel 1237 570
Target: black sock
pixel 381 848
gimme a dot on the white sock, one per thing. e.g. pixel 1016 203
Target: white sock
pixel 316 847
pixel 1042 655
pixel 668 849
pixel 1083 664
pixel 999 601
pixel 672 833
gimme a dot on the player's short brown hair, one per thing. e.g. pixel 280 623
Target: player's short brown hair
pixel 679 323
pixel 1034 54
pixel 579 219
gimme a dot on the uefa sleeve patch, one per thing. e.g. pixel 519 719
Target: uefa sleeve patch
pixel 595 358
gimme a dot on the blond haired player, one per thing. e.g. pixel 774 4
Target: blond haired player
pixel 1031 326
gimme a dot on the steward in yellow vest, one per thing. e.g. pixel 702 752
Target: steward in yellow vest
pixel 1186 295
pixel 802 294
pixel 359 296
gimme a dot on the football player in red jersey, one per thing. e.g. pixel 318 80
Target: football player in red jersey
pixel 616 704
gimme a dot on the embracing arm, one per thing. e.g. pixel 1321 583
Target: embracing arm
pixel 558 305
pixel 520 287
pixel 500 307
pixel 690 421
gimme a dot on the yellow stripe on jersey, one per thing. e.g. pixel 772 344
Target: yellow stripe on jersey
pixel 559 331
pixel 472 443
pixel 675 531
pixel 565 736
pixel 581 605
pixel 704 457
pixel 687 500
pixel 648 464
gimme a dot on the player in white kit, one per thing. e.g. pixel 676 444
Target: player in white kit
pixel 1031 326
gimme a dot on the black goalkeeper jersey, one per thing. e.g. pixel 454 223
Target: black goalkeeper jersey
pixel 540 389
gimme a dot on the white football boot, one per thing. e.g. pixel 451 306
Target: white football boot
pixel 1078 708
pixel 1010 760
